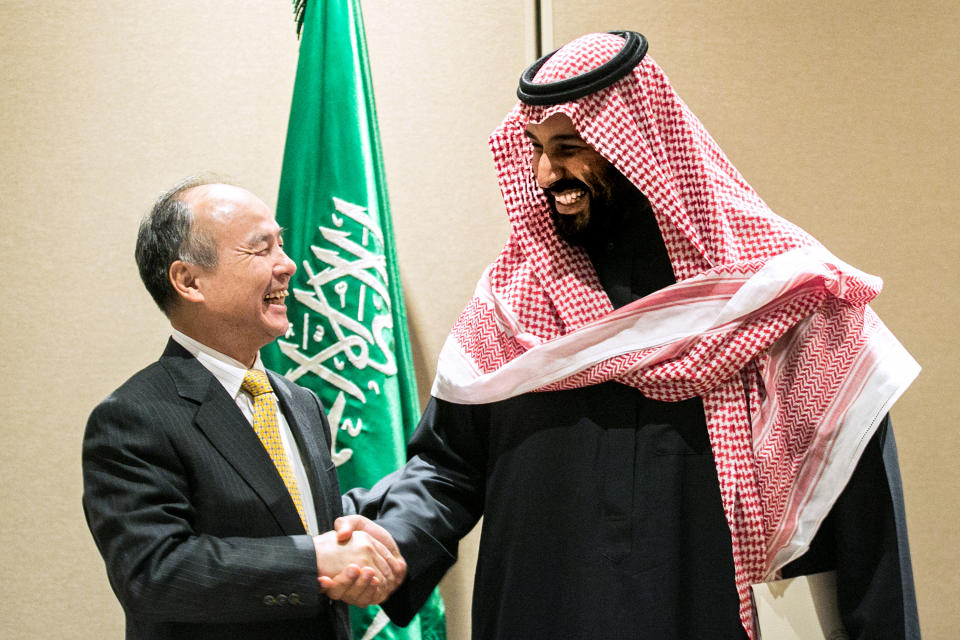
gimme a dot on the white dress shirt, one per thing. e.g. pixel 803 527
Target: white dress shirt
pixel 230 374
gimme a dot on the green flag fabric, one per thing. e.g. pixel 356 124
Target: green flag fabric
pixel 348 330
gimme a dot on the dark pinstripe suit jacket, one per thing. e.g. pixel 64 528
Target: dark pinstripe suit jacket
pixel 198 533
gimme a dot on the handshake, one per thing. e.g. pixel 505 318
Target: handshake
pixel 358 562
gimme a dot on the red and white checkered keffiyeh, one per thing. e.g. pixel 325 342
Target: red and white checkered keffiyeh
pixel 771 330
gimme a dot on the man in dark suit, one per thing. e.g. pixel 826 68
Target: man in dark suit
pixel 207 481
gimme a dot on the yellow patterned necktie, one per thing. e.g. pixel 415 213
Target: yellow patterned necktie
pixel 265 424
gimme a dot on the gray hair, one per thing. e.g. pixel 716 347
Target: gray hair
pixel 166 234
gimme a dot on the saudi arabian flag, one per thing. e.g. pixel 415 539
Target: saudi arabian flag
pixel 348 329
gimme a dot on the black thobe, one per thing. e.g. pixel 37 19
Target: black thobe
pixel 602 510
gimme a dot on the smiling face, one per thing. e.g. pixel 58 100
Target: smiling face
pixel 587 195
pixel 237 306
pixel 570 171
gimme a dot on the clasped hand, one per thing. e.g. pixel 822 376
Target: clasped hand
pixel 358 562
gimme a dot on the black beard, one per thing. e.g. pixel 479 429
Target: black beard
pixel 612 198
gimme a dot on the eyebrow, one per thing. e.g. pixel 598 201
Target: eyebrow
pixel 570 137
pixel 563 137
pixel 259 238
pixel 265 236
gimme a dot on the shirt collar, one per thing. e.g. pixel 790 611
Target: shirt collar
pixel 226 370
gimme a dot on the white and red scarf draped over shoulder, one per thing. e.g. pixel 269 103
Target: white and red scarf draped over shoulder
pixel 770 329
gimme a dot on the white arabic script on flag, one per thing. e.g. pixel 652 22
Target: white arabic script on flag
pixel 351 274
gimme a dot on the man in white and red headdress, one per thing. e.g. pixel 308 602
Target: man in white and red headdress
pixel 661 392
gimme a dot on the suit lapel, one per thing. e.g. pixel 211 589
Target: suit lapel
pixel 326 499
pixel 225 426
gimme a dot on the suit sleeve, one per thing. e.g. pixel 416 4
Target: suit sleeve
pixel 138 503
pixel 432 502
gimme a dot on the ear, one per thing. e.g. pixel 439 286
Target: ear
pixel 184 278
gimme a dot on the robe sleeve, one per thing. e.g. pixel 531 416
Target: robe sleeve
pixel 864 538
pixel 433 501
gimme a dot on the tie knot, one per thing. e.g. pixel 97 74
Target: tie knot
pixel 256 383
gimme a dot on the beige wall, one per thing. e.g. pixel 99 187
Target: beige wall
pixel 104 105
pixel 844 116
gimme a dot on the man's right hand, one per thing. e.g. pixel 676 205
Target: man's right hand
pixel 362 567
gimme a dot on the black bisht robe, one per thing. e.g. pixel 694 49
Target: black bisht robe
pixel 602 510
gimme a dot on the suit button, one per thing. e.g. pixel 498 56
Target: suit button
pixel 294 599
pixel 282 599
pixel 269 601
